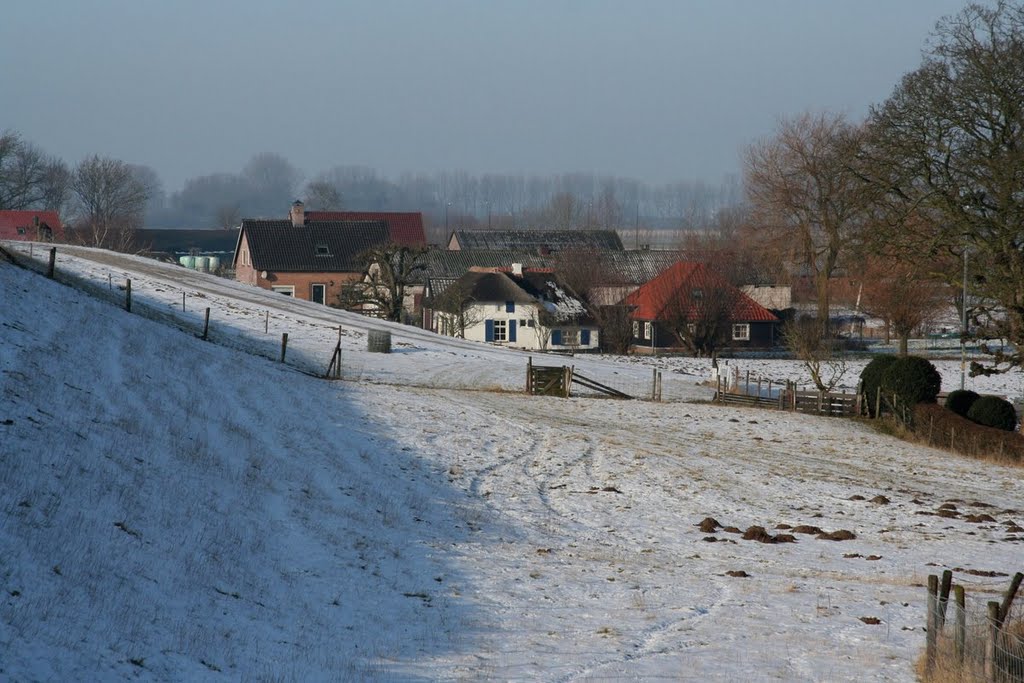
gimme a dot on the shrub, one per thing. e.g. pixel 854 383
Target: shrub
pixel 993 411
pixel 961 400
pixel 907 381
pixel 871 378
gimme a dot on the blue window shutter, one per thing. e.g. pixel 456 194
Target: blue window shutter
pixel 511 330
pixel 489 330
pixel 556 337
pixel 584 337
pixel 510 306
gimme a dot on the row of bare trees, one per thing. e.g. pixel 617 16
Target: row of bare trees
pixel 896 200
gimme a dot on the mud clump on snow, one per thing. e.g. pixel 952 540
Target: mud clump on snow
pixel 732 530
pixel 978 519
pixel 807 529
pixel 709 525
pixel 880 500
pixel 856 496
pixel 738 573
pixel 947 512
pixel 758 533
pixel 840 535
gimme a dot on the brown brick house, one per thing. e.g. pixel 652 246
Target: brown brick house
pixel 307 259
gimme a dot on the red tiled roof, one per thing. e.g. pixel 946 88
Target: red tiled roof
pixel 20 225
pixel 405 228
pixel 653 298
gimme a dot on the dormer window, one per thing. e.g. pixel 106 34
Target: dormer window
pixel 323 250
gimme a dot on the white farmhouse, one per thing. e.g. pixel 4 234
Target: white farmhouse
pixel 516 307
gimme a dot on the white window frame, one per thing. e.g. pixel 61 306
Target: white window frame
pixel 741 332
pixel 636 329
pixel 312 288
pixel 647 331
pixel 287 290
pixel 500 331
pixel 571 336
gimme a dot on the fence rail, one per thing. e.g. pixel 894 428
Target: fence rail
pixel 792 399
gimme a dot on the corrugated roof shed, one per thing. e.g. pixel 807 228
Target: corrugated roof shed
pixel 405 228
pixel 538 240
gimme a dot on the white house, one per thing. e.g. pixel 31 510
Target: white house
pixel 524 309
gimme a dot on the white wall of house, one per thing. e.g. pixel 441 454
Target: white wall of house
pixel 528 333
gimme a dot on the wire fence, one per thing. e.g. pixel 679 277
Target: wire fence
pixel 974 641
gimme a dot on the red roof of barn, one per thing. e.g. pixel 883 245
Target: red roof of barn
pixel 405 228
pixel 653 298
pixel 13 221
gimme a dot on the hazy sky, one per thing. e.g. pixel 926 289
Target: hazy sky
pixel 658 91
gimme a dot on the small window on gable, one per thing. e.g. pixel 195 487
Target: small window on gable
pixel 21 231
pixel 323 250
pixel 510 306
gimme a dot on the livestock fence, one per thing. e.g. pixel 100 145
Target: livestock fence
pixel 559 380
pixel 969 645
pixel 788 396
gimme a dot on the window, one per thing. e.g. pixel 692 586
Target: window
pixel 741 332
pixel 510 306
pixel 697 294
pixel 636 329
pixel 317 293
pixel 323 250
pixel 21 231
pixel 500 331
pixel 287 290
pixel 647 331
pixel 570 337
pixel 524 323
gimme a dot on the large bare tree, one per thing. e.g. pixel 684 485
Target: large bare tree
pixel 110 201
pixel 808 198
pixel 948 150
pixel 391 269
pixel 29 179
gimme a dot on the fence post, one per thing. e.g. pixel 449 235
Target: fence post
pixel 659 385
pixel 53 262
pixel 284 345
pixel 529 374
pixel 183 302
pixel 337 369
pixel 266 323
pixel 1004 609
pixel 878 403
pixel 990 641
pixel 947 582
pixel 206 324
pixel 746 387
pixel 960 627
pixel 931 632
pixel 128 296
pixel 654 384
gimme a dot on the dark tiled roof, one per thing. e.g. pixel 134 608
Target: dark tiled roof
pixel 441 263
pixel 636 267
pixel 21 225
pixel 529 288
pixel 539 240
pixel 488 287
pixel 653 298
pixel 405 228
pixel 277 245
pixel 171 241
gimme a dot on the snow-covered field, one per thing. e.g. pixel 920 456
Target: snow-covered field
pixel 174 509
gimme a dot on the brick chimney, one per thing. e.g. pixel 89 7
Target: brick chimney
pixel 298 214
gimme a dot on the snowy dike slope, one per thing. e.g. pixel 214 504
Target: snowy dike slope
pixel 179 509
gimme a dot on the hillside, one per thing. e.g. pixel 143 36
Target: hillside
pixel 175 509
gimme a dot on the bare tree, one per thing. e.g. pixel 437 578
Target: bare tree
pixel 229 215
pixel 811 202
pixel 391 268
pixel 456 307
pixel 948 148
pixel 28 177
pixel 820 353
pixel 110 202
pixel 322 195
pixel 901 294
pixel 275 181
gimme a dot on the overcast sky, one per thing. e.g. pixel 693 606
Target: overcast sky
pixel 658 91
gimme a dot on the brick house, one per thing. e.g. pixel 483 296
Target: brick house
pixel 31 226
pixel 307 259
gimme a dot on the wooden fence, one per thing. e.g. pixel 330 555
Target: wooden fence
pixel 557 380
pixel 793 399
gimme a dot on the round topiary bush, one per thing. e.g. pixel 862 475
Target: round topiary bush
pixel 871 378
pixel 993 411
pixel 961 400
pixel 907 381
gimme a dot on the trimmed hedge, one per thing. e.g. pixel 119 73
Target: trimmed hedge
pixel 907 381
pixel 993 411
pixel 961 400
pixel 871 378
pixel 945 429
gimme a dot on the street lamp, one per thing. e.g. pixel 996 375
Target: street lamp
pixel 446 217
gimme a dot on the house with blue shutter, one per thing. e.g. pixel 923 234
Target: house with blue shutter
pixel 516 307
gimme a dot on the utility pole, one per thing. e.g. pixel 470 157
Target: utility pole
pixel 963 327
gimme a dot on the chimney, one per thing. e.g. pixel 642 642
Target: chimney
pixel 298 214
pixel 517 269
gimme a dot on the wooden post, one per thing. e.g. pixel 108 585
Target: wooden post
pixel 878 402
pixel 746 387
pixel 931 630
pixel 206 324
pixel 758 391
pixel 947 583
pixel 992 635
pixel 266 323
pixel 284 345
pixel 654 384
pixel 659 385
pixel 1004 609
pixel 53 263
pixel 183 302
pixel 337 368
pixel 110 282
pixel 529 374
pixel 128 296
pixel 960 625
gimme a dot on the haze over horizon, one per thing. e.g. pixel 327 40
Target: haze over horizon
pixel 657 91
